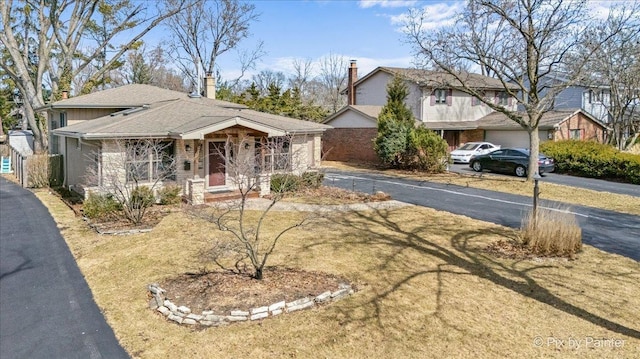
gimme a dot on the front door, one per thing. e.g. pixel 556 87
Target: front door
pixel 217 169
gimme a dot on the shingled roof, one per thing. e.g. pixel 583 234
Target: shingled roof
pixel 128 96
pixel 182 117
pixel 430 78
pixel 549 120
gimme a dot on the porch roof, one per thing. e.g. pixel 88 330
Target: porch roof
pixel 186 119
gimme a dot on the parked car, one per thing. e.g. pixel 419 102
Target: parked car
pixel 510 160
pixel 464 153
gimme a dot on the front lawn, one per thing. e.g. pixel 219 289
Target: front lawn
pixel 427 288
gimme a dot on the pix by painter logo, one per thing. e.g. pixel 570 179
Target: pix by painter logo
pixel 577 343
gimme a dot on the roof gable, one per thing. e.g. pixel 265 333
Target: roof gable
pixel 369 112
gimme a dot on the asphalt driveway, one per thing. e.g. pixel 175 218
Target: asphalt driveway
pixel 609 231
pixel 46 307
pixel 573 181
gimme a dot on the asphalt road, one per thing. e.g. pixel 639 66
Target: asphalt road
pixel 609 231
pixel 580 182
pixel 46 307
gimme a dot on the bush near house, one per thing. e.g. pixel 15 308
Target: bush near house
pixel 592 159
pixel 169 194
pixel 101 207
pixel 286 182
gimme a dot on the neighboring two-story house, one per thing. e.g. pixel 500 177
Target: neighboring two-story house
pixel 457 116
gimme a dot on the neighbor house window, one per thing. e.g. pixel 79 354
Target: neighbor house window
pixel 502 98
pixel 440 95
pixel 275 153
pixel 149 160
pixel 575 134
pixel 55 140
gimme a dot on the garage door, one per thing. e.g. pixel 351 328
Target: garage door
pixel 511 138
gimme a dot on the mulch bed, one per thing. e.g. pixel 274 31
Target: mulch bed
pixel 223 291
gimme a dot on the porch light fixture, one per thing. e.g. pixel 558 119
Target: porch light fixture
pixel 246 145
pixel 187 147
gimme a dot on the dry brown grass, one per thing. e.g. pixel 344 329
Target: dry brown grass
pixel 548 191
pixel 552 232
pixel 429 289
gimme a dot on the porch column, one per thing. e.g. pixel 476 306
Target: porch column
pixel 195 193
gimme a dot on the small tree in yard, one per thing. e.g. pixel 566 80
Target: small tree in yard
pixel 130 171
pixel 247 169
pixel 400 142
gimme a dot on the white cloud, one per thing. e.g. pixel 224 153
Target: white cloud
pixel 436 15
pixel 365 4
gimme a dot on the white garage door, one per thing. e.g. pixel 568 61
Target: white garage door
pixel 511 138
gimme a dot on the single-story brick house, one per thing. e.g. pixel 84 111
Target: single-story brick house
pixel 202 134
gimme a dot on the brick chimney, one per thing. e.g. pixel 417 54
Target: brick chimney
pixel 209 86
pixel 65 95
pixel 353 77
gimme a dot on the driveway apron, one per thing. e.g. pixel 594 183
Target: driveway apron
pixel 46 307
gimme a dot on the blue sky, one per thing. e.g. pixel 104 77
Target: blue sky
pixel 363 30
pixel 368 31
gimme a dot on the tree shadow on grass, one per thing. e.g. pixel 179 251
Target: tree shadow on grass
pixel 462 257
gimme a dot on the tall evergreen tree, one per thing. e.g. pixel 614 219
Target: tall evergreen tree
pixel 395 123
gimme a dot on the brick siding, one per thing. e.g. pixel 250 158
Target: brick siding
pixel 349 145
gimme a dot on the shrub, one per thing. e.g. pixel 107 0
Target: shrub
pixel 312 179
pixel 285 182
pixel 592 159
pixel 552 233
pixel 141 197
pixel 427 151
pixel 169 195
pixel 38 170
pixel 101 207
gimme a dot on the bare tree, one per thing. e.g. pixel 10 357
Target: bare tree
pixel 210 29
pixel 522 43
pixel 614 67
pixel 130 171
pixel 144 66
pixel 44 38
pixel 266 78
pixel 333 77
pixel 248 170
pixel 302 70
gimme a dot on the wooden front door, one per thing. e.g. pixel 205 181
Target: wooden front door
pixel 217 169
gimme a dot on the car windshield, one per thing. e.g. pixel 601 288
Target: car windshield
pixel 469 146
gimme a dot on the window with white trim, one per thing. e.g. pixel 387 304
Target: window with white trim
pixel 440 95
pixel 149 160
pixel 275 153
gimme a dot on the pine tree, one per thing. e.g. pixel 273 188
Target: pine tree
pixel 395 123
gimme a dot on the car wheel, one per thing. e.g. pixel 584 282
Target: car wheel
pixel 521 171
pixel 477 166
